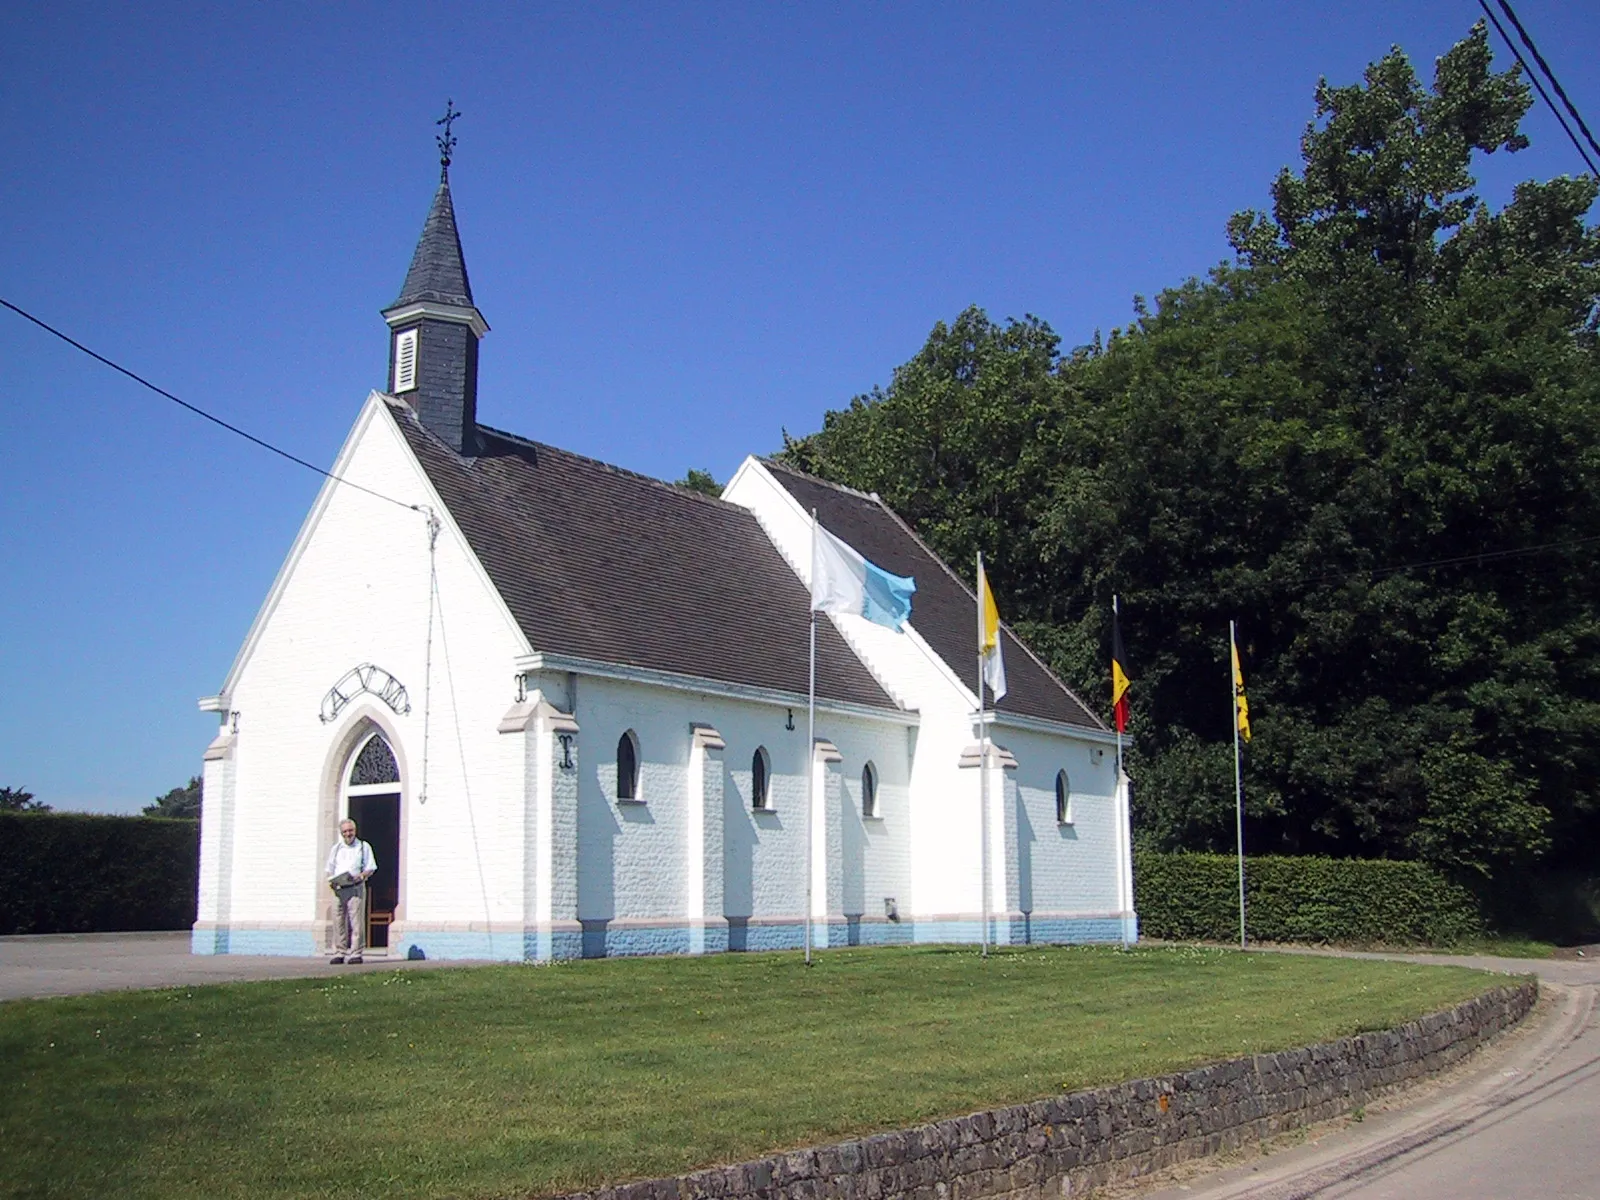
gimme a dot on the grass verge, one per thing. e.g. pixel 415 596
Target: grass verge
pixel 515 1080
pixel 1499 945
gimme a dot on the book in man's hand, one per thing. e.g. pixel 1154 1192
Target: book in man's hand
pixel 344 879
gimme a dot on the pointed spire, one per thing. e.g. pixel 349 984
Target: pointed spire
pixel 438 273
pixel 434 326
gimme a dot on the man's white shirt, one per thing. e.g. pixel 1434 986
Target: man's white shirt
pixel 354 858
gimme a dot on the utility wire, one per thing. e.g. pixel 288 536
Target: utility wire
pixel 1527 40
pixel 1543 95
pixel 1370 572
pixel 200 412
pixel 1458 560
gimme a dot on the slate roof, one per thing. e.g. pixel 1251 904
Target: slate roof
pixel 597 562
pixel 944 609
pixel 438 271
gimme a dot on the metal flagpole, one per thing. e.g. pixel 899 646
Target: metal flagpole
pixel 983 770
pixel 1238 779
pixel 1115 614
pixel 811 733
pixel 1122 800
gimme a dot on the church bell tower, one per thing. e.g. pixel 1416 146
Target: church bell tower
pixel 434 326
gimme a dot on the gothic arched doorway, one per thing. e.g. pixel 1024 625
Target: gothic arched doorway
pixel 372 801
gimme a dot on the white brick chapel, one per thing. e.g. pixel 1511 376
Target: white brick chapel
pixel 566 705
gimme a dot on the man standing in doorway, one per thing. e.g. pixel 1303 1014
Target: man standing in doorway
pixel 350 865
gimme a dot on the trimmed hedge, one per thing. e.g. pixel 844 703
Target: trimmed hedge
pixel 80 873
pixel 1350 901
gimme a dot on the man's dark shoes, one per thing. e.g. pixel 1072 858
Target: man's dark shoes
pixel 337 959
pixel 354 960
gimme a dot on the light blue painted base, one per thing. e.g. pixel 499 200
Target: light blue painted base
pixel 208 941
pixel 599 940
pixel 878 933
pixel 1073 930
pixel 278 943
pixel 708 939
pixel 602 941
pixel 457 943
pixel 547 945
pixel 1026 931
pixel 791 935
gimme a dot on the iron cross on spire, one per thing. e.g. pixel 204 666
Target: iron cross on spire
pixel 446 140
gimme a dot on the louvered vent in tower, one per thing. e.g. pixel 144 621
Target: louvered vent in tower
pixel 405 361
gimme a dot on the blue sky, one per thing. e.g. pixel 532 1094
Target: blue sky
pixel 690 227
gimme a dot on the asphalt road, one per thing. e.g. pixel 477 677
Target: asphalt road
pixel 1520 1119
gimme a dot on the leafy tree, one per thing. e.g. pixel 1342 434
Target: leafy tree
pixel 701 481
pixel 952 444
pixel 20 800
pixel 1386 373
pixel 179 802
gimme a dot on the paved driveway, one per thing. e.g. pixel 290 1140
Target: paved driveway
pixel 67 964
pixel 1518 1119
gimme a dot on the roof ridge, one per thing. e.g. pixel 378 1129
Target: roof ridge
pixel 773 464
pixel 874 498
pixel 625 472
pixel 1048 670
pixel 732 610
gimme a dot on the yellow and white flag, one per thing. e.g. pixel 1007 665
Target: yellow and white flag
pixel 994 663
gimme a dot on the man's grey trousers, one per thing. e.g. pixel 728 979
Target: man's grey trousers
pixel 350 919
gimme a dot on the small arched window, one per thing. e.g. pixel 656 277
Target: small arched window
pixel 1063 799
pixel 760 778
pixel 869 791
pixel 628 766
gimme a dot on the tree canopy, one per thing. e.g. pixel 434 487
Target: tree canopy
pixel 700 481
pixel 179 802
pixel 20 800
pixel 1372 437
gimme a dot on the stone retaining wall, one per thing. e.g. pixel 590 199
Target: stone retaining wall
pixel 1068 1144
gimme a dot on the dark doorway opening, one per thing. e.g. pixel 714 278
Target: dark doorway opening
pixel 377 821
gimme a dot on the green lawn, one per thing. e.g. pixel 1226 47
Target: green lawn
pixel 508 1080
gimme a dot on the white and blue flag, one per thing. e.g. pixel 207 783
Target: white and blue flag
pixel 843 581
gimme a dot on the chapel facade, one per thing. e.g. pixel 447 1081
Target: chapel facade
pixel 566 704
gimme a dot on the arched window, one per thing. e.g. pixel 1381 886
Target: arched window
pixel 760 777
pixel 1063 799
pixel 869 791
pixel 628 766
pixel 374 764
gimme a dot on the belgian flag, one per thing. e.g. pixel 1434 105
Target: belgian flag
pixel 1119 672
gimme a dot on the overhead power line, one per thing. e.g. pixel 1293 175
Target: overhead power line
pixel 200 412
pixel 1527 40
pixel 1533 78
pixel 1483 556
pixel 1369 572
